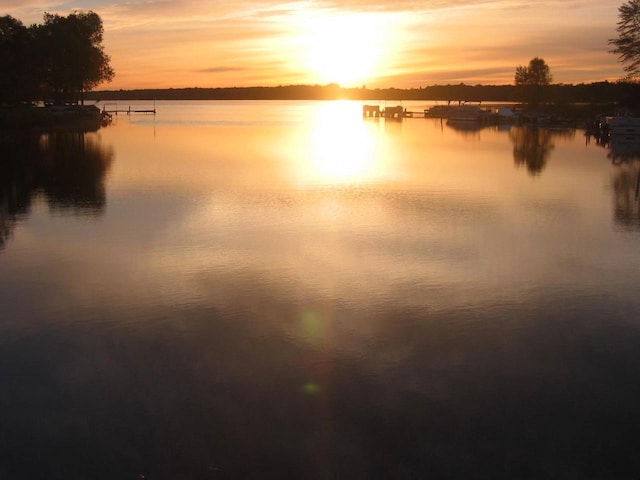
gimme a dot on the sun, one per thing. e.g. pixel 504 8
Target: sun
pixel 343 48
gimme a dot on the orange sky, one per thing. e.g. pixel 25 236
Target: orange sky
pixel 377 43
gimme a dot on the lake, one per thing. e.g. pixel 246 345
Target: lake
pixel 288 290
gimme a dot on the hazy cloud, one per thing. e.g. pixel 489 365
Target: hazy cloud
pixel 474 41
pixel 221 70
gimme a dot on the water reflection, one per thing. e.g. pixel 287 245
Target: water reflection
pixel 623 149
pixel 532 146
pixel 66 168
pixel 467 129
pixel 625 153
pixel 341 148
pixel 225 320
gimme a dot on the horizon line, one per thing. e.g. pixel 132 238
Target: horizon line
pixel 364 87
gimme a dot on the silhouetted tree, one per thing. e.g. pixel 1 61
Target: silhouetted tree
pixel 74 57
pixel 627 45
pixel 19 76
pixel 532 79
pixel 11 31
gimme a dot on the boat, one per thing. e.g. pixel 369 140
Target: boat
pixel 504 115
pixel 623 125
pixel 466 114
pixel 437 111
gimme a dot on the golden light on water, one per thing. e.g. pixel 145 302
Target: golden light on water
pixel 342 148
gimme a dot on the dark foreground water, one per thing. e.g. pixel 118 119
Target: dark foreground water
pixel 283 290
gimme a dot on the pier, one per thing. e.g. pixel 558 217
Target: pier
pixel 460 115
pixel 112 109
pixel 396 112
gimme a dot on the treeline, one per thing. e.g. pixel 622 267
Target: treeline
pixel 598 92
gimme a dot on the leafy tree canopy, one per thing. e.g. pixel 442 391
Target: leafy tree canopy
pixel 61 58
pixel 17 60
pixel 533 80
pixel 74 55
pixel 627 45
pixel 536 73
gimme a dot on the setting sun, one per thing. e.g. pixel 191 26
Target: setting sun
pixel 344 49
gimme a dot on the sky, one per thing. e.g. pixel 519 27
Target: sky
pixel 372 43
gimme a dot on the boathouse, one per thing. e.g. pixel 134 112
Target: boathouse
pixel 370 111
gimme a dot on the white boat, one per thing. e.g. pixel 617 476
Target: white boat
pixel 505 114
pixel 624 125
pixel 466 114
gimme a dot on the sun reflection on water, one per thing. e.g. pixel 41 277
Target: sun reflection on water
pixel 342 148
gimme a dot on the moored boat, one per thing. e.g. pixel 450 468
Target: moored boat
pixel 623 125
pixel 466 114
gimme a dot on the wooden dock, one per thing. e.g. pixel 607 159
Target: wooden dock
pixel 397 112
pixel 462 113
pixel 112 109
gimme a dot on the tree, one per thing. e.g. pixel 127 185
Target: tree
pixel 537 73
pixel 627 45
pixel 532 79
pixel 19 76
pixel 73 54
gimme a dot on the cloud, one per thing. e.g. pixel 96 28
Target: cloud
pixel 261 41
pixel 452 5
pixel 221 70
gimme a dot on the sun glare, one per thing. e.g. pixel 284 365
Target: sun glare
pixel 344 49
pixel 342 148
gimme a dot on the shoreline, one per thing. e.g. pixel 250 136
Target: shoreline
pixel 91 118
pixel 88 118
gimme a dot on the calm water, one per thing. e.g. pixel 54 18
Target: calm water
pixel 285 290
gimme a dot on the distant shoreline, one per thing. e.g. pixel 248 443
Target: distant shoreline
pixel 599 92
pixel 574 105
